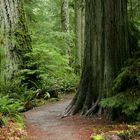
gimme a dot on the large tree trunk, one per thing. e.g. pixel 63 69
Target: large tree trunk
pixel 105 53
pixel 82 31
pixel 79 30
pixel 15 40
pixel 65 25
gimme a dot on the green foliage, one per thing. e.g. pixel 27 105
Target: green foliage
pixel 45 66
pixel 128 78
pixel 134 37
pixel 129 133
pixel 51 59
pixel 52 68
pixel 25 96
pixel 124 103
pixel 126 90
pixel 9 108
pixel 98 137
pixel 134 11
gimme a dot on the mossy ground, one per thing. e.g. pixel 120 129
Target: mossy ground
pixel 119 131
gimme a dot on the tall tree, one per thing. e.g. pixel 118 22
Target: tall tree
pixel 65 15
pixel 65 25
pixel 14 35
pixel 79 29
pixel 106 49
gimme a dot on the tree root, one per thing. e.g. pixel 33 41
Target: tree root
pixel 92 109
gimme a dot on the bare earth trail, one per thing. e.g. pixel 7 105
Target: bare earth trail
pixel 45 123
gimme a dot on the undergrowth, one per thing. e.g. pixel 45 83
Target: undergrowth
pixel 124 104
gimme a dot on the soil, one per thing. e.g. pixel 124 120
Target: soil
pixel 46 123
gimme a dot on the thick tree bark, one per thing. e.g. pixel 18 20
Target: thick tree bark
pixel 105 52
pixel 79 30
pixel 65 26
pixel 15 39
pixel 83 30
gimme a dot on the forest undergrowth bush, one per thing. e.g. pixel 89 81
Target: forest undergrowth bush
pixel 9 108
pixel 52 69
pixel 53 49
pixel 10 105
pixel 11 121
pixel 124 104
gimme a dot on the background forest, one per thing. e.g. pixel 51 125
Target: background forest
pixel 48 67
pixel 50 59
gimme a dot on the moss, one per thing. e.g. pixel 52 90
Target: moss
pixel 132 132
pixel 97 137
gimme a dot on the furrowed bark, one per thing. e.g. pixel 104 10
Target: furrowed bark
pixel 106 49
pixel 14 35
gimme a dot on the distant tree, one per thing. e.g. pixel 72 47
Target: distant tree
pixel 65 15
pixel 79 31
pixel 14 35
pixel 106 49
pixel 65 24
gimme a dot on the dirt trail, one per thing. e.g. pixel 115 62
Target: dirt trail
pixel 45 123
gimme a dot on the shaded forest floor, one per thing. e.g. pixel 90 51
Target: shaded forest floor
pixel 45 123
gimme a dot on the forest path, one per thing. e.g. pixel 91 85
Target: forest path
pixel 45 123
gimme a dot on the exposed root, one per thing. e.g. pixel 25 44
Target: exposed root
pixel 69 109
pixel 92 109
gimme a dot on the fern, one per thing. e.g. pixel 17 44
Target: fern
pixel 126 93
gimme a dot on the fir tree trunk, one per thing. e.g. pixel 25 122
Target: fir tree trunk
pixel 79 31
pixel 14 35
pixel 65 26
pixel 82 31
pixel 105 52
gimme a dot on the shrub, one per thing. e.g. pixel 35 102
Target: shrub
pixel 125 102
pixel 52 69
pixel 9 108
pixel 97 137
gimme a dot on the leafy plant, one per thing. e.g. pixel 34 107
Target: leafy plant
pixel 25 96
pixel 97 137
pixel 52 69
pixel 125 101
pixel 49 60
pixel 9 107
